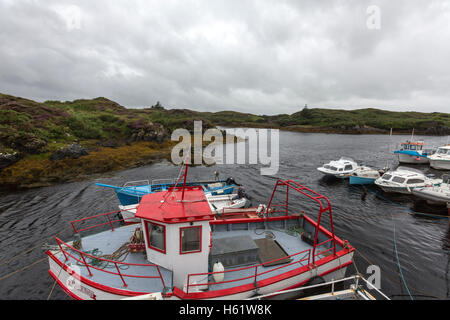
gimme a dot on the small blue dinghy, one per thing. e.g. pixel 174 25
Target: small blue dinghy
pixel 132 192
pixel 364 175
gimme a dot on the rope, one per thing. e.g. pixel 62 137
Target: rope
pixel 44 241
pixel 22 269
pixel 40 244
pixel 119 255
pixel 398 260
pixel 387 274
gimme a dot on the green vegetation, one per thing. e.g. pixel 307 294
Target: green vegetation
pixel 118 137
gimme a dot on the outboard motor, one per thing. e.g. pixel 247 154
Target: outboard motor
pixel 231 181
pixel 242 194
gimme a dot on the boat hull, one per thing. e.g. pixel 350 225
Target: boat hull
pixel 81 288
pixel 440 164
pixel 361 180
pixel 412 159
pixel 431 196
pixel 390 189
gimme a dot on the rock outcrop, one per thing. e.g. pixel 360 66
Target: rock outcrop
pixel 73 151
pixel 147 131
pixel 7 159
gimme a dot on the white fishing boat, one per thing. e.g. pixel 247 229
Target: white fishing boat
pixel 403 180
pixel 412 152
pixel 441 159
pixel 364 175
pixel 438 195
pixel 181 249
pixel 342 168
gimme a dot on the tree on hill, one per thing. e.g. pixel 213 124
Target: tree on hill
pixel 158 106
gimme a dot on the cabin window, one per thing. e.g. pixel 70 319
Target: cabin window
pixel 387 177
pixel 413 147
pixel 156 235
pixel 414 181
pixel 190 239
pixel 333 168
pixel 348 167
pixel 398 179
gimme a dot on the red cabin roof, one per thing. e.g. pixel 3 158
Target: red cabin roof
pixel 168 207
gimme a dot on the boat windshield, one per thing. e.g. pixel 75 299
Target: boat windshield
pixel 346 159
pixel 443 151
pixel 387 176
pixel 414 181
pixel 398 179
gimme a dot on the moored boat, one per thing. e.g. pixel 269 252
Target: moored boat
pixel 441 159
pixel 437 195
pixel 342 168
pixel 364 175
pixel 412 152
pixel 133 191
pixel 184 250
pixel 403 180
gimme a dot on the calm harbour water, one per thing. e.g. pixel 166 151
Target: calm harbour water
pixel 423 242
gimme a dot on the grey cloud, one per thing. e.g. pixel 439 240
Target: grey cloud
pixel 253 56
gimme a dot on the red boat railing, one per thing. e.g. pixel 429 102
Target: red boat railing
pixel 108 221
pixel 320 199
pixel 82 261
pixel 254 275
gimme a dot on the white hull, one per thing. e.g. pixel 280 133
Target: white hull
pixel 440 164
pixel 406 158
pixel 388 189
pixel 84 289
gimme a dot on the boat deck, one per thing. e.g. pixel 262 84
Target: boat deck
pixel 291 244
pixel 108 242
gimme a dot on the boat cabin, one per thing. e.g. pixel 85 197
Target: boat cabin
pixel 404 175
pixel 343 165
pixel 176 230
pixel 412 146
pixel 445 150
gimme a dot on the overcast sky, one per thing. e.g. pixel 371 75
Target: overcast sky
pixel 263 57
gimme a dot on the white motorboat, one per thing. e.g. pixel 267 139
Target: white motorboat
pixel 403 180
pixel 342 168
pixel 441 159
pixel 439 195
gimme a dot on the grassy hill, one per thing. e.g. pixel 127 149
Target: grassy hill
pixel 119 137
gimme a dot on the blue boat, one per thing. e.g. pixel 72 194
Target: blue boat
pixel 364 175
pixel 132 194
pixel 361 180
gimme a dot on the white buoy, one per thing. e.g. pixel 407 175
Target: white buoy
pixel 218 267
